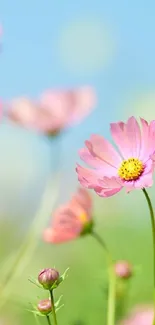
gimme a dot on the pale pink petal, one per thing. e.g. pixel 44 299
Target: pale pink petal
pixel 83 100
pixel 58 236
pixel 118 132
pixel 153 157
pixel 148 140
pixel 68 221
pixel 109 186
pixel 148 167
pixel 127 137
pixel 23 111
pixel 106 192
pixel 151 137
pixel 102 149
pixel 134 136
pixel 129 186
pixel 145 140
pixel 96 162
pixel 87 177
pixel 84 199
pixel 71 106
pixel 56 102
pixel 144 181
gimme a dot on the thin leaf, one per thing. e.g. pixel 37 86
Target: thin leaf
pixel 57 309
pixel 58 302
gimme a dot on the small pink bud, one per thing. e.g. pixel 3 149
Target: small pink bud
pixel 123 269
pixel 47 277
pixel 45 307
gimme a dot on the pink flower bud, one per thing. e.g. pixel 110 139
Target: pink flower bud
pixel 45 307
pixel 123 269
pixel 47 277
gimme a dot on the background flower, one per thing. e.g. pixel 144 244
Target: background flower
pixel 69 221
pixel 56 110
pixel 142 315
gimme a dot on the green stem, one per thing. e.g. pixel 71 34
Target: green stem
pixel 48 320
pixel 112 280
pixel 153 236
pixel 53 308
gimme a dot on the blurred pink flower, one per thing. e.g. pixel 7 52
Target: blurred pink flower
pixel 69 106
pixel 70 220
pixel 142 315
pixel 55 111
pixel 29 114
pixel 123 269
pixel 110 171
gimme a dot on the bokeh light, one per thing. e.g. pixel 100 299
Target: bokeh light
pixel 86 45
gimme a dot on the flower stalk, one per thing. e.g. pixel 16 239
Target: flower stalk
pixel 112 280
pixel 153 236
pixel 53 308
pixel 48 320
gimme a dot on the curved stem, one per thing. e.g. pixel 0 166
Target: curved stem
pixel 53 308
pixel 153 236
pixel 100 241
pixel 48 320
pixel 112 280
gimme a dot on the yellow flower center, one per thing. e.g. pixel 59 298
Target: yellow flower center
pixel 83 217
pixel 131 169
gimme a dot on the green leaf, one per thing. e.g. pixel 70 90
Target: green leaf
pixel 64 276
pixel 58 302
pixel 35 282
pixel 57 309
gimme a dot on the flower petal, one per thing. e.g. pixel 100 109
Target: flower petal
pixel 56 237
pixel 145 140
pixel 118 132
pixel 96 162
pixel 102 149
pixel 109 186
pixel 134 137
pixel 87 177
pixel 144 181
pixel 149 167
pixel 82 101
pixel 83 198
pixel 151 138
pixel 148 140
pixel 107 193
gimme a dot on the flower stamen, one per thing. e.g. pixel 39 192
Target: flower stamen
pixel 83 217
pixel 131 169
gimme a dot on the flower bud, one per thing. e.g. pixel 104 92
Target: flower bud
pixel 47 277
pixel 123 269
pixel 45 307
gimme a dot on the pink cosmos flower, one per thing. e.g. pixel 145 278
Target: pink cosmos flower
pixel 142 315
pixel 55 110
pixel 70 220
pixel 131 167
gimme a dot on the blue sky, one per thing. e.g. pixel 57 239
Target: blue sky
pixel 108 44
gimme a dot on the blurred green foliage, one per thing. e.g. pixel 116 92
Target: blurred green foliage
pixel 83 290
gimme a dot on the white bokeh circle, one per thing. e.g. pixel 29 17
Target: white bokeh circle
pixel 86 45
